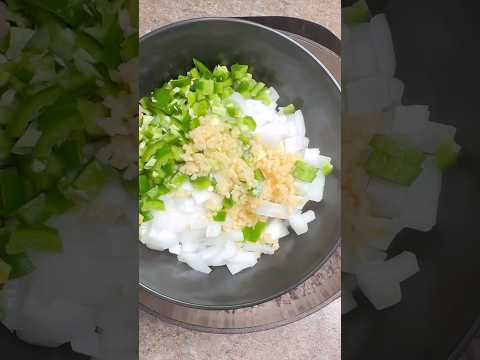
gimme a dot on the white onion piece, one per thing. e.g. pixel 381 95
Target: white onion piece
pixel 421 205
pixel 387 198
pixel 301 204
pixel 276 229
pixel 161 239
pixel 363 61
pixel 88 344
pixel 225 254
pixel 197 221
pixel 234 236
pixel 261 113
pixel 13 296
pixel 298 224
pixel 143 231
pixel 271 133
pixel 384 231
pixel 274 96
pixel 208 254
pixel 311 191
pixel 291 128
pixel 213 229
pixel 194 262
pixel 299 122
pixel 433 134
pixel 190 242
pixel 201 196
pixel 187 186
pixel 242 260
pixel 397 87
pixel 382 294
pixel 175 249
pixel 383 45
pixel 187 205
pixel 352 258
pixel 403 266
pixel 295 144
pixel 172 220
pixel 368 95
pixel 274 210
pixel 409 122
pixel 309 216
pixel 64 320
pixel 397 268
pixel 313 157
pixel 238 99
pixel 379 280
pixel 260 248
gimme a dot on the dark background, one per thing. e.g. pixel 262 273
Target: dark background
pixel 437 59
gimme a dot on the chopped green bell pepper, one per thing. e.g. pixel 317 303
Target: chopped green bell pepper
pixel 304 171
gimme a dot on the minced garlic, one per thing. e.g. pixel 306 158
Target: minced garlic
pixel 216 148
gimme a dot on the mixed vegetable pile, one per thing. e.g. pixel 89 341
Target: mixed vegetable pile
pixel 214 146
pixel 67 115
pixel 173 110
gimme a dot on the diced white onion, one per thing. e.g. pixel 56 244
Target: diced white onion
pixel 276 229
pixel 274 210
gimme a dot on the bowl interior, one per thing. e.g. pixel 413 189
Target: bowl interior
pixel 299 78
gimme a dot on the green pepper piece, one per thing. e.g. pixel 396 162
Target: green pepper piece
pixel 20 264
pixel 90 112
pixel 33 238
pixel 201 183
pixel 259 175
pixel 249 123
pixel 6 144
pixel 143 184
pixel 4 271
pixel 253 234
pixel 244 139
pixel 385 144
pixel 147 215
pixel 180 82
pixel 233 110
pixel 42 207
pixel 391 168
pixel 202 68
pixel 11 190
pixel 326 169
pixel 29 108
pixel 220 216
pixel 227 203
pixel 447 154
pixel 264 96
pixel 238 71
pixel 257 88
pixel 151 204
pixel 178 179
pixel 221 73
pixel 200 108
pixel 357 13
pixel 129 47
pixel 304 171
pixel 93 175
pixel 289 109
